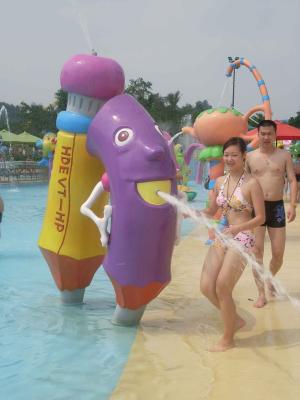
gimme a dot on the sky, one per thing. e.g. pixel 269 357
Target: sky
pixel 175 44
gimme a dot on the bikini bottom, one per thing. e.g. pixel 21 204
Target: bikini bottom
pixel 245 239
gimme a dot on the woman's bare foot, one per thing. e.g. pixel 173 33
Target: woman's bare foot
pixel 239 323
pixel 261 301
pixel 223 345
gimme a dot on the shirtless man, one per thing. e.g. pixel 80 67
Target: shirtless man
pixel 269 165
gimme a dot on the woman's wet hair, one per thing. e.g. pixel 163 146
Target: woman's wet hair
pixel 236 141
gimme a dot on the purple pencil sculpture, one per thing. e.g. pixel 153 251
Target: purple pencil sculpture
pixel 138 163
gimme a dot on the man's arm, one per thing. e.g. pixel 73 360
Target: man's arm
pixel 291 214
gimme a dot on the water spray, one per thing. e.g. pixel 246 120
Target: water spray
pixel 200 218
pixel 174 137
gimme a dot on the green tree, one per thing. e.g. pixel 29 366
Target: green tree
pixel 34 118
pixel 156 107
pixel 198 108
pixel 60 100
pixel 172 112
pixel 295 121
pixel 141 90
pixel 164 109
pixel 37 119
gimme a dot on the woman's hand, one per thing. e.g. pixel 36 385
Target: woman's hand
pixel 231 230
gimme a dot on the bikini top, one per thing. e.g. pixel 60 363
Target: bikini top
pixel 236 202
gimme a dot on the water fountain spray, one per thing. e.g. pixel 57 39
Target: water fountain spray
pixel 264 275
pixel 3 111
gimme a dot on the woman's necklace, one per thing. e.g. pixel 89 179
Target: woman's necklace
pixel 232 193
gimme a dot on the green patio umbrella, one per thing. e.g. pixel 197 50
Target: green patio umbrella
pixel 26 137
pixel 8 137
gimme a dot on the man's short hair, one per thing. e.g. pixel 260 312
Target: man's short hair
pixel 267 122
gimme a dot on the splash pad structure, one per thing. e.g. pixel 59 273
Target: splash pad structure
pixel 213 127
pixel 177 328
pixel 104 130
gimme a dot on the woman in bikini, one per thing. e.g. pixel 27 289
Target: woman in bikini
pixel 240 197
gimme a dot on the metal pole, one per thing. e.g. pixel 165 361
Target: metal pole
pixel 233 88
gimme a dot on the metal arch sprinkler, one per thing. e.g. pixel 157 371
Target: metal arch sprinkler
pixel 231 60
pixel 266 106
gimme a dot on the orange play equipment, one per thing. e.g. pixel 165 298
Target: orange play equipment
pixel 214 127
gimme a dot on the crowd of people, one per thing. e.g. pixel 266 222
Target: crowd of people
pixel 19 152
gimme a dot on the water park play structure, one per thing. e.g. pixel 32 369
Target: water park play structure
pixel 177 328
pixel 100 134
pixel 183 173
pixel 214 126
pixel 69 241
pixel 47 144
pixel 103 129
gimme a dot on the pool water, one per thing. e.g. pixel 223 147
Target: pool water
pixel 50 350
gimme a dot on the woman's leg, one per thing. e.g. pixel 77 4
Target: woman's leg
pixel 277 237
pixel 258 251
pixel 232 268
pixel 210 271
